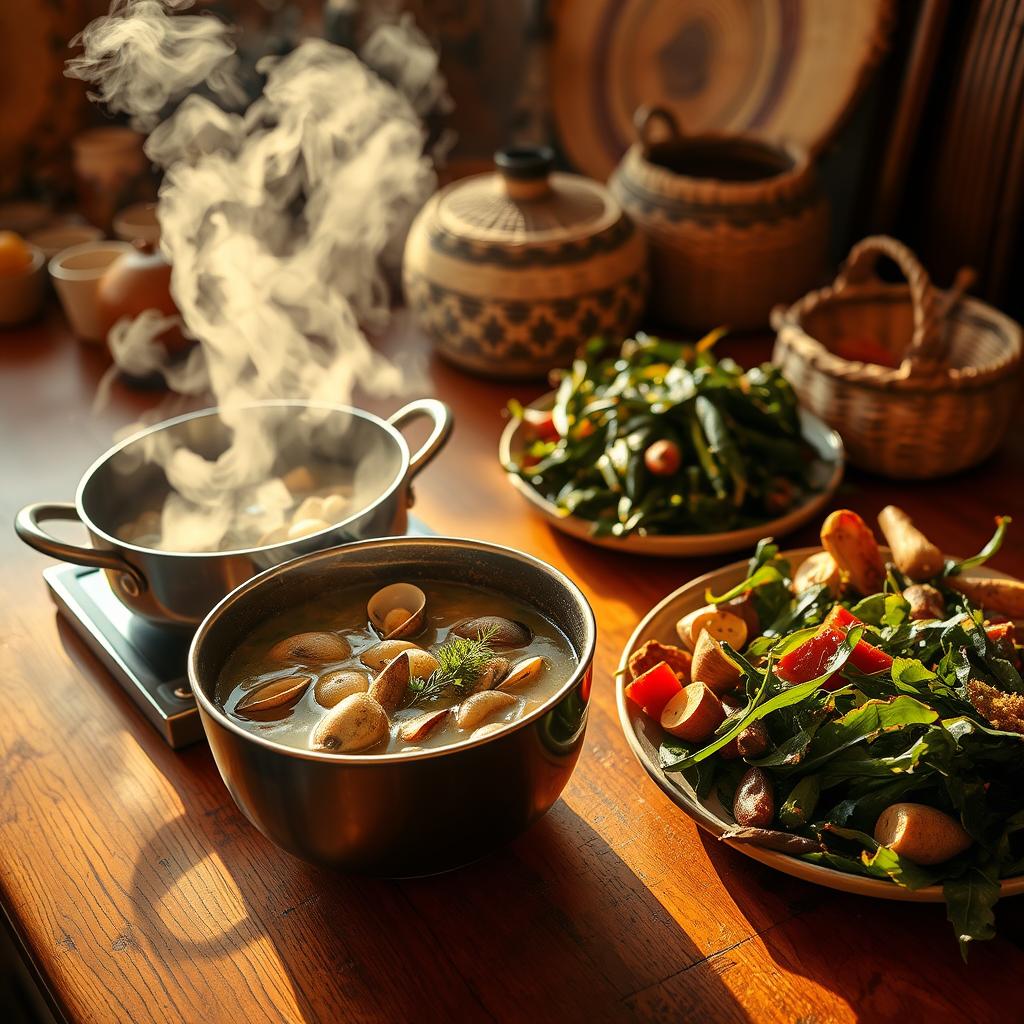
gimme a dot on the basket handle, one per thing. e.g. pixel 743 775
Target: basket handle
pixel 926 345
pixel 645 119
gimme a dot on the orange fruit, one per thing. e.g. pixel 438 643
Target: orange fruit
pixel 15 255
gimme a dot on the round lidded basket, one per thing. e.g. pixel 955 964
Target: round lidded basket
pixel 734 223
pixel 510 272
pixel 947 404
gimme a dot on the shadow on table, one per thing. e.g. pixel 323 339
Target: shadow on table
pixel 553 927
pixel 888 960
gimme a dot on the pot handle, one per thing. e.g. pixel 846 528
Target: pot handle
pixel 645 118
pixel 441 417
pixel 26 525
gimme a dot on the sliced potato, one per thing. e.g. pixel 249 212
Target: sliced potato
pixel 693 714
pixel 712 666
pixel 818 570
pixel 847 538
pixel 722 625
pixel 921 833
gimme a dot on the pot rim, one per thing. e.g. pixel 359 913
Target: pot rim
pixel 124 545
pixel 209 708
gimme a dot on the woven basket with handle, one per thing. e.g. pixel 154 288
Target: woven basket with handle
pixel 948 402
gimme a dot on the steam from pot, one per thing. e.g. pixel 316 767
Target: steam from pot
pixel 281 223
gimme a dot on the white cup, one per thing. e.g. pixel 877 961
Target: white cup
pixel 76 273
pixel 138 223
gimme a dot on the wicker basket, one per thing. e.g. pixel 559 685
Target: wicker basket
pixel 948 404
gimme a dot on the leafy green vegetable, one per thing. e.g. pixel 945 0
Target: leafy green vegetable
pixel 991 548
pixel 743 458
pixel 461 660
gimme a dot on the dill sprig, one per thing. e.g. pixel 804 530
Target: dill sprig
pixel 461 660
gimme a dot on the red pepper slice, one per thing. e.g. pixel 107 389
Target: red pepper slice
pixel 654 689
pixel 811 658
pixel 542 423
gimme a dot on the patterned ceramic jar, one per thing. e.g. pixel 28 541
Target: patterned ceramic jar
pixel 511 272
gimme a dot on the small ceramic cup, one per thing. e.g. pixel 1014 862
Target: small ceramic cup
pixel 58 237
pixel 138 223
pixel 76 274
pixel 21 295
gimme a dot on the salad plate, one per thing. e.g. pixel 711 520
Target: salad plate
pixel 644 736
pixel 826 473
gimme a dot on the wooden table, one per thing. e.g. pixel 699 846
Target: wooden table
pixel 141 894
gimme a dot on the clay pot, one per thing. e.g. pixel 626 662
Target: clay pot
pixel 510 272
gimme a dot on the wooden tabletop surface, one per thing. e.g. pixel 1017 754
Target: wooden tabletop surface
pixel 141 894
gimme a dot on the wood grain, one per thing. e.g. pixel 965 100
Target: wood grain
pixel 144 896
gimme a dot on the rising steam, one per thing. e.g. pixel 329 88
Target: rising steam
pixel 280 223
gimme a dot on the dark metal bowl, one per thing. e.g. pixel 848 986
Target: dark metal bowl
pixel 399 814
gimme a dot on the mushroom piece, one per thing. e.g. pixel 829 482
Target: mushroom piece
pixel 398 611
pixel 279 694
pixel 523 672
pixel 500 632
pixel 390 686
pixel 311 648
pixel 474 710
pixel 333 687
pixel 356 723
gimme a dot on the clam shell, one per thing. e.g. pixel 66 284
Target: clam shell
pixel 311 648
pixel 494 672
pixel 473 711
pixel 390 687
pixel 279 694
pixel 523 672
pixel 356 723
pixel 421 726
pixel 398 595
pixel 377 656
pixel 504 632
pixel 333 687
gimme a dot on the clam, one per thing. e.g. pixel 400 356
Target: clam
pixel 311 648
pixel 500 632
pixel 379 655
pixel 279 694
pixel 398 611
pixel 421 726
pixel 493 673
pixel 422 663
pixel 483 705
pixel 333 687
pixel 523 672
pixel 335 507
pixel 356 723
pixel 487 730
pixel 390 686
pixel 306 527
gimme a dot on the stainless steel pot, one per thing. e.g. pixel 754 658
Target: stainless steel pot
pixel 398 814
pixel 179 588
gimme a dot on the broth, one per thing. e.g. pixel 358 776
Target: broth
pixel 342 620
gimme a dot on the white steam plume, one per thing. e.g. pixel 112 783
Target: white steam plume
pixel 280 223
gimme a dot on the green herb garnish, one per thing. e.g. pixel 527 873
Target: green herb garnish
pixel 461 662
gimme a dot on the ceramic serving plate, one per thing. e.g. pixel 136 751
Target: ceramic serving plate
pixel 644 737
pixel 826 475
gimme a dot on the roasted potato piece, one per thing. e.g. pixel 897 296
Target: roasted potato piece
pixel 926 602
pixel 722 625
pixel 847 538
pixel 712 666
pixel 652 652
pixel 693 714
pixel 914 554
pixel 1003 596
pixel 921 833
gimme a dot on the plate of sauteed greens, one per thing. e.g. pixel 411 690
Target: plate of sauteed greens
pixel 657 447
pixel 852 715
